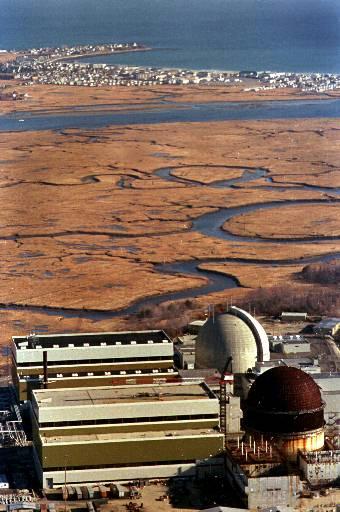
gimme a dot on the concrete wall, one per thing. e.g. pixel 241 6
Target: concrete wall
pixel 318 471
pixel 131 427
pixel 273 491
pixel 263 491
pixel 211 465
pixel 130 451
pixel 295 348
pixel 78 367
pixel 126 410
pixel 113 474
pixel 233 415
pixel 100 352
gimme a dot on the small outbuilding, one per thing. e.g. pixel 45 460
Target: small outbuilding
pixel 293 316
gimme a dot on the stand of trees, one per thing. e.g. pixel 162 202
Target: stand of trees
pixel 173 317
pixel 272 301
pixel 323 273
pixel 315 300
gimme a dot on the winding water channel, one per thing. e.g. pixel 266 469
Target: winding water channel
pixel 209 224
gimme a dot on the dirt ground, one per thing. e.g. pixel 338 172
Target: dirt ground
pixel 152 493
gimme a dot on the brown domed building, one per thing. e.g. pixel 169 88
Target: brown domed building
pixel 284 405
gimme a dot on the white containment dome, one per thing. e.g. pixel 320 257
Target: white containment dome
pixel 260 335
pixel 236 335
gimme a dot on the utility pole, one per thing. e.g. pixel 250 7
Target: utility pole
pixel 65 490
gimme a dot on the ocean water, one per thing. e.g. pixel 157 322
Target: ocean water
pixel 285 35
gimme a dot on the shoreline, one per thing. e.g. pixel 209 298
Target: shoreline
pixel 20 53
pixel 99 54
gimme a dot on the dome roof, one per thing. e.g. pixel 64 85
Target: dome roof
pixel 260 335
pixel 284 399
pixel 222 337
pixel 285 388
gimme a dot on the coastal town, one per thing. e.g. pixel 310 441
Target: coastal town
pixel 60 66
pixel 68 52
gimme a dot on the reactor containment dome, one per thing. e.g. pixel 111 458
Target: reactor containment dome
pixel 285 404
pixel 234 336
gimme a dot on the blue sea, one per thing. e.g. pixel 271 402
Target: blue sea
pixel 283 35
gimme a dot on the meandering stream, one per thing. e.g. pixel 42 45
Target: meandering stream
pixel 209 224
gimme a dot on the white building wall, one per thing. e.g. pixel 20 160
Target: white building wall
pixel 126 410
pixel 319 471
pixel 73 354
pixel 295 348
pixel 273 491
pixel 113 474
pixel 332 409
pixel 212 465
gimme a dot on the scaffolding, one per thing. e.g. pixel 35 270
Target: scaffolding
pixel 223 407
pixel 12 434
pixel 11 428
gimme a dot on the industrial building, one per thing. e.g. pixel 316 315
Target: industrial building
pixel 283 440
pixel 289 344
pixel 90 359
pixel 320 468
pixel 126 432
pixel 329 383
pixel 293 316
pixel 306 363
pixel 259 473
pixel 185 351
